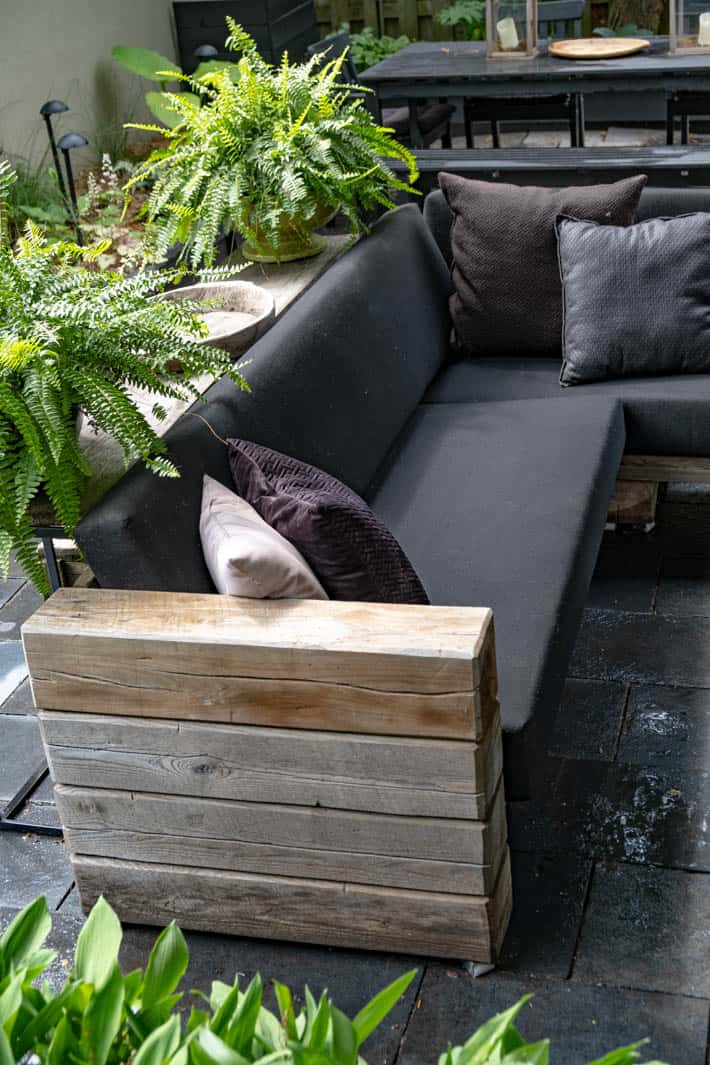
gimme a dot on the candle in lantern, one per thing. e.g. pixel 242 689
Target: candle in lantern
pixel 508 35
pixel 704 29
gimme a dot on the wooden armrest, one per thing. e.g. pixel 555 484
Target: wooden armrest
pixel 367 667
pixel 314 771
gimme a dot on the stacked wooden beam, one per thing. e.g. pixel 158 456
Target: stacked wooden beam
pixel 321 772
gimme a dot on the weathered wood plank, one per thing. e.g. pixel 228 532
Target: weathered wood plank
pixel 338 914
pixel 437 839
pixel 665 468
pixel 633 502
pixel 419 777
pixel 353 667
pixel 273 840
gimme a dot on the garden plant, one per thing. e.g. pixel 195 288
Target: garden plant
pixel 270 155
pixel 76 341
pixel 99 1015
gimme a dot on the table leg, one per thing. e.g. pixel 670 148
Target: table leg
pixel 415 136
pixel 580 119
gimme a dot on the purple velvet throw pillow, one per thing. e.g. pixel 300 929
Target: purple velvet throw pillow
pixel 354 556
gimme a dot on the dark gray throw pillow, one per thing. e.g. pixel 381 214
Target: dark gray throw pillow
pixel 507 297
pixel 636 300
pixel 354 556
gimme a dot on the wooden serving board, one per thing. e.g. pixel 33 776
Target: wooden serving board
pixel 597 47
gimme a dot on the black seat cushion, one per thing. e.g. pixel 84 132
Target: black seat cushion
pixel 663 415
pixel 429 116
pixel 495 509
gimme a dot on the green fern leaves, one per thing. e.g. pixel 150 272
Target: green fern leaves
pixel 75 340
pixel 270 148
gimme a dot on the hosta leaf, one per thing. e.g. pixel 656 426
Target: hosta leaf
pixel 160 1044
pixel 530 1054
pixel 144 62
pixel 98 945
pixel 208 1049
pixel 6 1055
pixel 285 1001
pixel 166 965
pixel 102 1018
pixel 159 104
pixel 25 934
pixel 344 1037
pixel 367 1019
pixel 241 1031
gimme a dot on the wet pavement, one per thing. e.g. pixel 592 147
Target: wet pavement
pixel 611 927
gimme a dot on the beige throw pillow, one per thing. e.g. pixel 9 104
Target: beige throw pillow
pixel 245 556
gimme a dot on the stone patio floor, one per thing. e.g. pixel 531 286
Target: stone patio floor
pixel 611 928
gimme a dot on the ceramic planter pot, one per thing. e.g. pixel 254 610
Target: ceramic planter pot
pixel 237 315
pixel 292 243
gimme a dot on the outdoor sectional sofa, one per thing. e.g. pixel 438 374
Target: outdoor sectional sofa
pixel 495 480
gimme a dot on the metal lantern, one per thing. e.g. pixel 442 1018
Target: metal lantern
pixel 689 27
pixel 511 29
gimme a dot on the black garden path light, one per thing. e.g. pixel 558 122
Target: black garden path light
pixel 205 52
pixel 55 107
pixel 65 144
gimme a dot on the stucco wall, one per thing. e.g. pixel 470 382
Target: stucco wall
pixel 62 49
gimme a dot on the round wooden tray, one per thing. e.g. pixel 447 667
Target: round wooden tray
pixel 597 47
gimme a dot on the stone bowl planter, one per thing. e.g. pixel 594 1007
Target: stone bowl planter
pixel 237 312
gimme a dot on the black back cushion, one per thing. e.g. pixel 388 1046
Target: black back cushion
pixel 332 383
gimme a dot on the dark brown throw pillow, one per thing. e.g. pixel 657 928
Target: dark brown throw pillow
pixel 507 297
pixel 354 556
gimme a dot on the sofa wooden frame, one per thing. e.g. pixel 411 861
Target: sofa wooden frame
pixel 324 772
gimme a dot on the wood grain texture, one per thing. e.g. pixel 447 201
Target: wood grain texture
pixel 436 924
pixel 633 502
pixel 665 468
pixel 276 840
pixel 438 839
pixel 419 777
pixel 353 667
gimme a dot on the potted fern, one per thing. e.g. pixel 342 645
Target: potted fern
pixel 76 341
pixel 272 153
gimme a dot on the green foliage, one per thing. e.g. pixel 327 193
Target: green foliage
pixel 470 14
pixel 35 194
pixel 269 150
pixel 101 1016
pixel 74 340
pixel 366 48
pixel 155 67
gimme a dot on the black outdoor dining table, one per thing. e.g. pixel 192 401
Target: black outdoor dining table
pixel 453 69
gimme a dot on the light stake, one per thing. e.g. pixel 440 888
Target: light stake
pixel 65 145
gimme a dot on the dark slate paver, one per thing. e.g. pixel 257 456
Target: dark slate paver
pixel 22 753
pixel 20 701
pixel 668 727
pixel 626 573
pixel 647 928
pixel 643 649
pixel 620 813
pixel 12 667
pixel 548 894
pixel 31 866
pixel 582 1021
pixel 9 588
pixel 17 611
pixel 684 586
pixel 589 720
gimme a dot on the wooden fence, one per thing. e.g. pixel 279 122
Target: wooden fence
pixel 415 18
